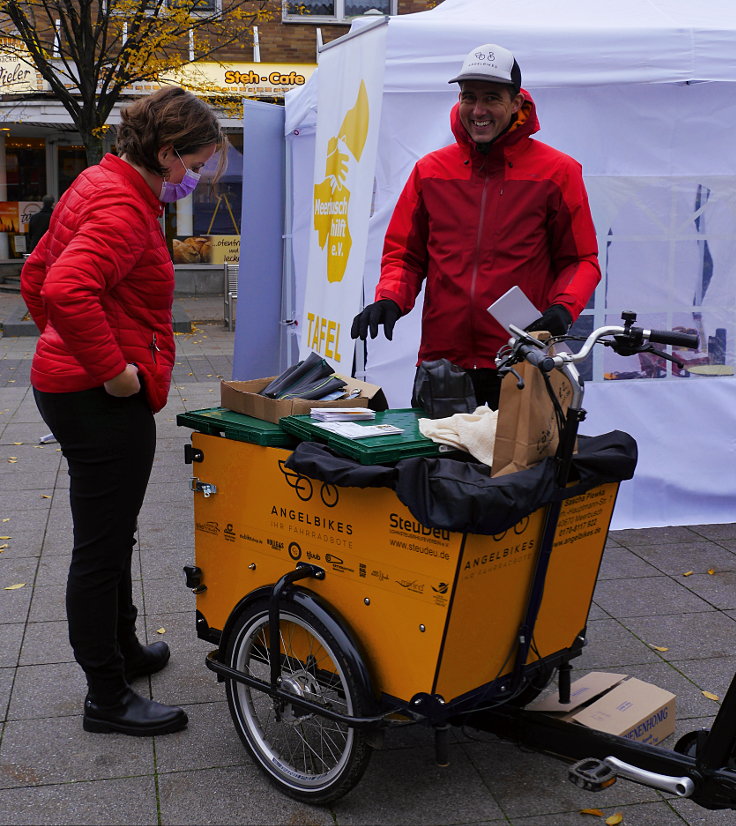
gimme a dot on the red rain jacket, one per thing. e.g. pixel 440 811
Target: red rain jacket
pixel 100 286
pixel 474 225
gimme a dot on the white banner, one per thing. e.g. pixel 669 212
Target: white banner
pixel 349 105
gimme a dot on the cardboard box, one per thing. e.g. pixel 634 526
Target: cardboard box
pixel 616 704
pixel 243 397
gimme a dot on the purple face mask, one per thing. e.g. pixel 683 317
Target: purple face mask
pixel 175 192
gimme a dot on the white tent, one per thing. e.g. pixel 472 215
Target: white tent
pixel 643 94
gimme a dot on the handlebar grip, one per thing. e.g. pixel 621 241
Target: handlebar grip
pixel 538 358
pixel 673 337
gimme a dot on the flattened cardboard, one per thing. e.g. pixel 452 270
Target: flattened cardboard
pixel 243 397
pixel 616 704
pixel 582 691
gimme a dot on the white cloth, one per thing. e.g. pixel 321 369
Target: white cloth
pixel 473 432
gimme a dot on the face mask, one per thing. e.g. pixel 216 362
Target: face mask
pixel 174 192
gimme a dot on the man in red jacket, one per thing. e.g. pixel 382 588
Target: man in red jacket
pixel 493 210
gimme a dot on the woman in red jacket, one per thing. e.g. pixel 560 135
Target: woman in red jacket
pixel 100 287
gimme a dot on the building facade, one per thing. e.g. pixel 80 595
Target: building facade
pixel 41 152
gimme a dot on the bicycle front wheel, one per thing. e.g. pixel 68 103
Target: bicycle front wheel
pixel 309 757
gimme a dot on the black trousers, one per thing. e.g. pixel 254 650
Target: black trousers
pixel 109 444
pixel 487 386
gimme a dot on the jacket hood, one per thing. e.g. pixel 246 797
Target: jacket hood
pixel 525 125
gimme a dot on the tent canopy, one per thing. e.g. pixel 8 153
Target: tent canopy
pixel 577 42
pixel 640 92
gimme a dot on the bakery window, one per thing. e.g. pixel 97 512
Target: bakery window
pixel 332 11
pixel 204 228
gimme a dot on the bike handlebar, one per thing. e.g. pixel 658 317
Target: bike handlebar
pixel 626 340
pixel 537 357
pixel 673 337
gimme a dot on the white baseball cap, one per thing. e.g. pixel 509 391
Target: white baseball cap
pixel 492 63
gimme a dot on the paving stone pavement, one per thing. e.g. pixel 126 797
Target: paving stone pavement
pixel 52 772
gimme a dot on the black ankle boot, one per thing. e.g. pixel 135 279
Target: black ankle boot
pixel 152 658
pixel 133 715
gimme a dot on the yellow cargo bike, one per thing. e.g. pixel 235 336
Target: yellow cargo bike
pixel 350 588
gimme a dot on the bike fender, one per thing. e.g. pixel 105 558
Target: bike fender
pixel 322 611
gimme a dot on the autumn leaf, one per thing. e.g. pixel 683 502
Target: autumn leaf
pixel 6 537
pixel 16 443
pixel 711 571
pixel 614 819
pixel 6 519
pixel 658 647
pixel 710 696
pixel 688 573
pixel 596 812
pixel 45 496
pixel 160 630
pixel 15 587
pixel 4 546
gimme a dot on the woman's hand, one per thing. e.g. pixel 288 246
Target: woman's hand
pixel 124 384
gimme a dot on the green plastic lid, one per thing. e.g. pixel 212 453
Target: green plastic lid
pixel 219 421
pixel 373 450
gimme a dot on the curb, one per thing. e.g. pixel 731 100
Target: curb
pixel 16 324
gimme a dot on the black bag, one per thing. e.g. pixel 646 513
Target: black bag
pixel 304 377
pixel 442 388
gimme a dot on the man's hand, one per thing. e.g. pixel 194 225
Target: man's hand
pixel 555 320
pixel 124 384
pixel 384 312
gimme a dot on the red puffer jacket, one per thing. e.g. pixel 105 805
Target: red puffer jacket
pixel 100 285
pixel 474 225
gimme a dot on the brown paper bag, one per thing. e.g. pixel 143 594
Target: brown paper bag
pixel 527 429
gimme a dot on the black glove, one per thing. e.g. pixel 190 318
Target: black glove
pixel 555 319
pixel 384 312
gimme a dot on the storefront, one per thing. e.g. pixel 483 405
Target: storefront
pixel 41 153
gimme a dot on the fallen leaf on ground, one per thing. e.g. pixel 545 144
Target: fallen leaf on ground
pixel 160 630
pixel 17 443
pixel 4 546
pixel 596 812
pixel 45 496
pixel 614 819
pixel 15 587
pixel 6 519
pixel 710 696
pixel 711 571
pixel 688 573
pixel 658 647
pixel 6 537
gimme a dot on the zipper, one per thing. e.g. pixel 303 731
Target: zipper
pixel 474 276
pixel 154 348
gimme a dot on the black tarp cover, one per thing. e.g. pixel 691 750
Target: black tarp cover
pixel 457 495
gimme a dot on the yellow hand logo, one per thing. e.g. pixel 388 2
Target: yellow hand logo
pixel 331 196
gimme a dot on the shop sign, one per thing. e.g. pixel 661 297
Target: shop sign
pixel 242 79
pixel 9 216
pixel 206 249
pixel 17 76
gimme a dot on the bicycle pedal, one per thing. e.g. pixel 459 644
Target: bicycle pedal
pixel 591 774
